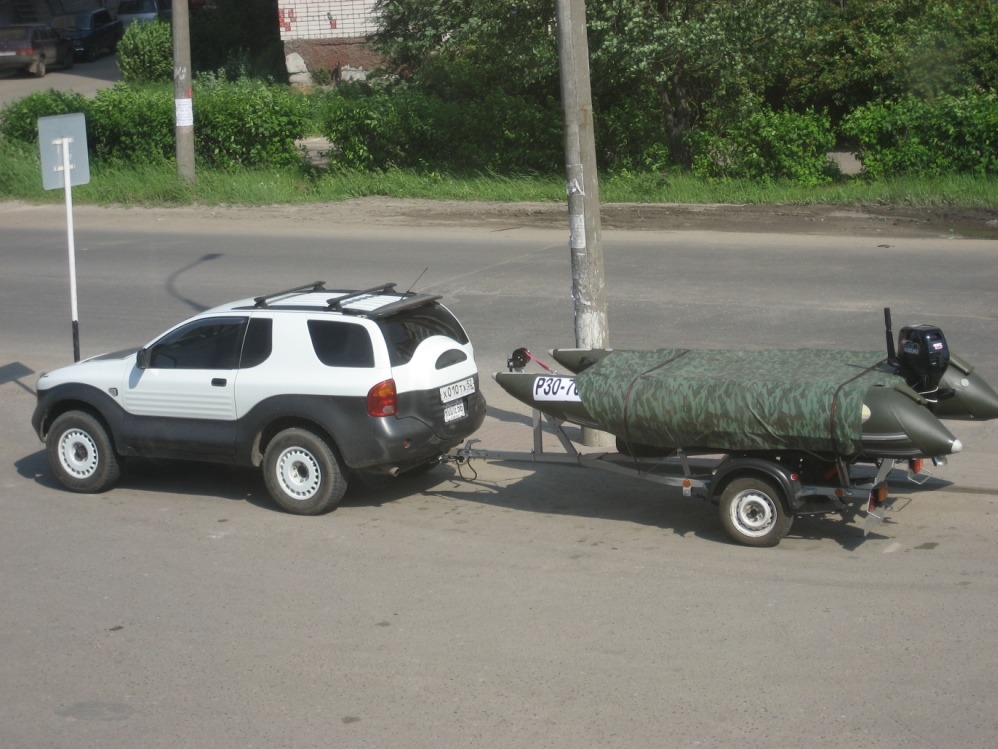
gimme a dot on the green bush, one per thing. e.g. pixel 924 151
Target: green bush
pixel 244 123
pixel 145 53
pixel 766 146
pixel 132 124
pixel 247 123
pixel 406 128
pixel 19 119
pixel 926 138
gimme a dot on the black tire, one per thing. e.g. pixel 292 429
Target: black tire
pixel 81 453
pixel 302 473
pixel 754 512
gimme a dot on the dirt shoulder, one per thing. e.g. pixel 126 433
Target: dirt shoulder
pixel 816 219
pixel 854 221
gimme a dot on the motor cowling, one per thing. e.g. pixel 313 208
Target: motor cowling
pixel 923 356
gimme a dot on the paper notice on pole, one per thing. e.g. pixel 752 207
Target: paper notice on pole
pixel 185 112
pixel 577 232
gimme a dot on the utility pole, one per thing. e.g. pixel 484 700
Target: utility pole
pixel 182 91
pixel 585 238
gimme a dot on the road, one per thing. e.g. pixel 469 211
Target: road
pixel 86 78
pixel 514 605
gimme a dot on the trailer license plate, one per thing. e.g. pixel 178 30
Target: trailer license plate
pixel 556 389
pixel 454 412
pixel 457 390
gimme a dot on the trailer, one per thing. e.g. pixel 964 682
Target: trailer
pixel 758 494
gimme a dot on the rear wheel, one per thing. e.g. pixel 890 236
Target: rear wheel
pixel 302 473
pixel 754 512
pixel 81 453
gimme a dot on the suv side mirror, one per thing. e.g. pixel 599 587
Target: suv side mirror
pixel 142 358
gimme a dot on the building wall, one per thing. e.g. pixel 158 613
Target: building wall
pixel 327 35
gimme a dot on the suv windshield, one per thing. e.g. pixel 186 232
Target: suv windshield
pixel 406 330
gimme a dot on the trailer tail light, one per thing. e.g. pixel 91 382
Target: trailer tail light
pixel 879 494
pixel 382 399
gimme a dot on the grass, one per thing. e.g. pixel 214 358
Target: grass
pixel 158 184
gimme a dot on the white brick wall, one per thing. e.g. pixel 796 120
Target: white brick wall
pixel 325 19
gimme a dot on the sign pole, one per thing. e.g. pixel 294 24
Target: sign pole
pixel 63 145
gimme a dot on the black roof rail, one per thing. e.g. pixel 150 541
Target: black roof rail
pixel 261 301
pixel 336 303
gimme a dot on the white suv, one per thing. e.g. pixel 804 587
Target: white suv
pixel 312 385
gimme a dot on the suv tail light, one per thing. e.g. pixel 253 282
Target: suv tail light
pixel 382 399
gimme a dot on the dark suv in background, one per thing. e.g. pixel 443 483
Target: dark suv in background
pixel 91 32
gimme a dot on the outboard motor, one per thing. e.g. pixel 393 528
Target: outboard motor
pixel 922 356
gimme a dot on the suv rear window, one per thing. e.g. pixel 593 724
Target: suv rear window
pixel 406 330
pixel 341 344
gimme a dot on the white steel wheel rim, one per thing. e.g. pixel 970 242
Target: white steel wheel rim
pixel 298 473
pixel 78 454
pixel 753 513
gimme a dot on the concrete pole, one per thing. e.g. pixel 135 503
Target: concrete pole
pixel 183 91
pixel 585 237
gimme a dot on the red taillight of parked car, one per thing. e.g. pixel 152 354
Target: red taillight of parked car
pixel 382 399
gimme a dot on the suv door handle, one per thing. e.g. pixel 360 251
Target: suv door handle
pixel 218 382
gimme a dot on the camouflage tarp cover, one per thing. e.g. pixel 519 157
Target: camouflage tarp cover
pixel 808 400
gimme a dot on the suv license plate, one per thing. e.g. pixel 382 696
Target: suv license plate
pixel 457 390
pixel 454 412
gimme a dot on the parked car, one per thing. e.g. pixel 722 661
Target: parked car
pixel 130 11
pixel 33 48
pixel 312 385
pixel 91 32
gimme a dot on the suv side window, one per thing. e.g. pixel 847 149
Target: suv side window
pixel 258 343
pixel 212 343
pixel 406 330
pixel 341 344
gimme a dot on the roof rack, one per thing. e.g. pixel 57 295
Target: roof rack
pixel 261 301
pixel 336 303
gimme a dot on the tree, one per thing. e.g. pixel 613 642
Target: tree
pixel 864 51
pixel 696 57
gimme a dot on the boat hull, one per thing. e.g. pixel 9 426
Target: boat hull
pixel 893 425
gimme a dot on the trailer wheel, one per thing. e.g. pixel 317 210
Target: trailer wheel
pixel 754 512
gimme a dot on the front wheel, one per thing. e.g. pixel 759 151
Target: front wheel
pixel 81 453
pixel 302 473
pixel 754 513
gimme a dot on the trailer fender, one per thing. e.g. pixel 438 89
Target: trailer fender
pixel 733 468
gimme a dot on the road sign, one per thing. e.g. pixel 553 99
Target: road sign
pixel 64 132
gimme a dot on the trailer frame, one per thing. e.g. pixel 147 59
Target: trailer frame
pixel 752 517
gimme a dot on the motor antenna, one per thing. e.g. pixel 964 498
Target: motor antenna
pixel 891 351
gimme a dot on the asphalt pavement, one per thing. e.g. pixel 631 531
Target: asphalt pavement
pixel 494 604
